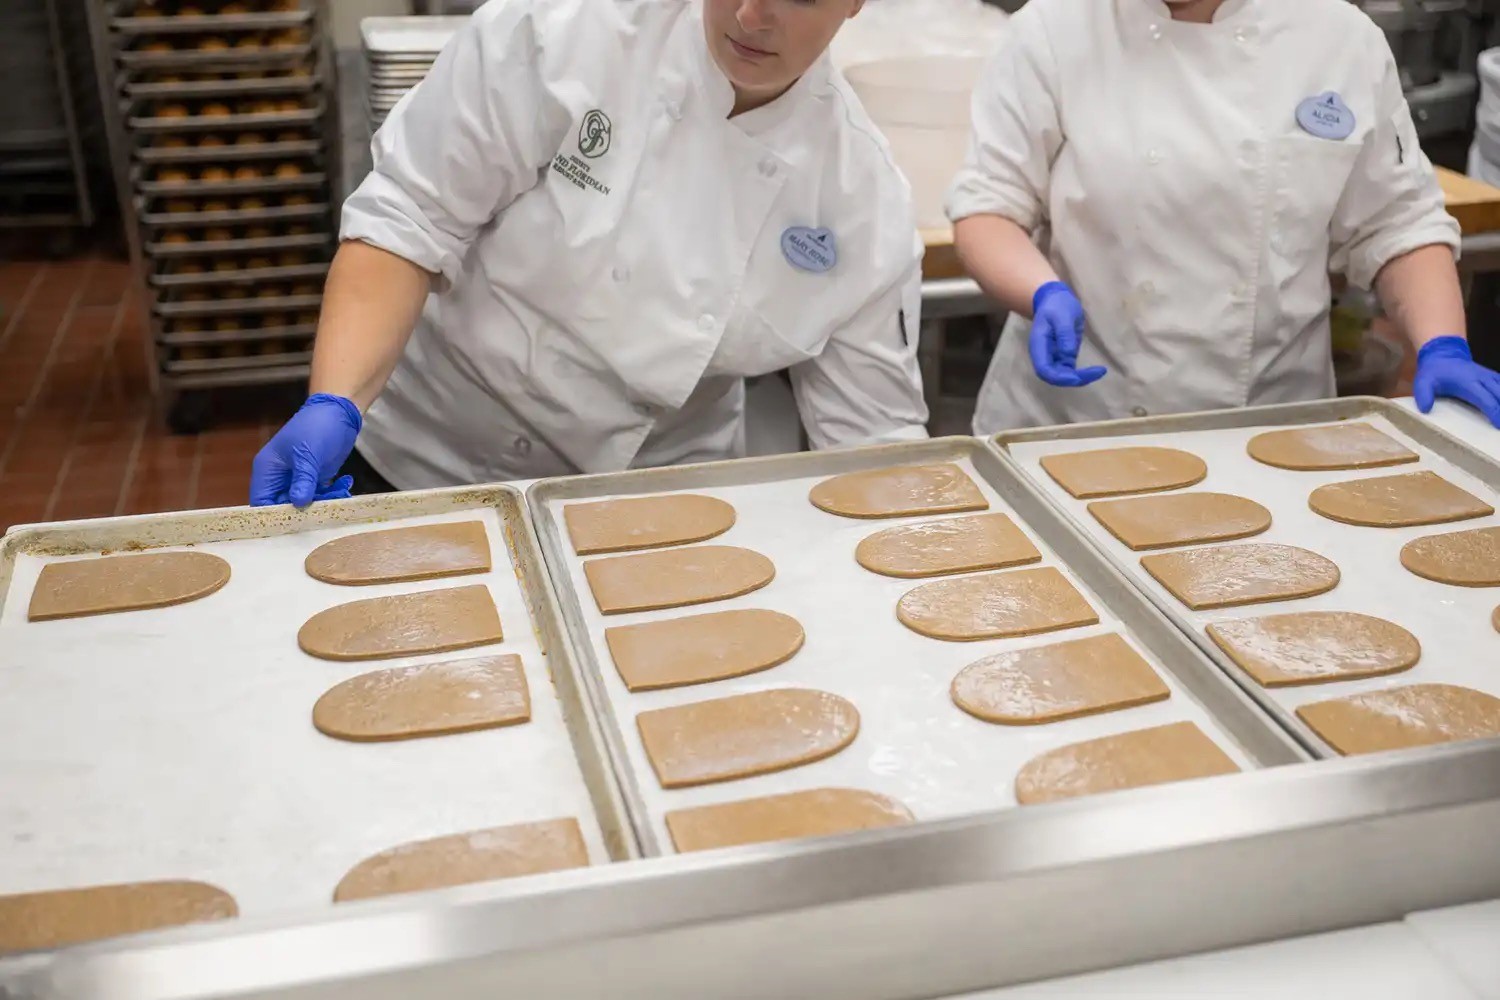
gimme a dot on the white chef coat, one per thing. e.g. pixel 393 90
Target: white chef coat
pixel 610 251
pixel 1162 168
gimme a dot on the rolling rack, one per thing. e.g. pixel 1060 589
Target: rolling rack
pixel 43 179
pixel 220 135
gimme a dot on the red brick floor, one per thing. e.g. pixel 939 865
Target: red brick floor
pixel 80 435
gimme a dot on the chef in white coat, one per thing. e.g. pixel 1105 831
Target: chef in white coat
pixel 1165 184
pixel 585 228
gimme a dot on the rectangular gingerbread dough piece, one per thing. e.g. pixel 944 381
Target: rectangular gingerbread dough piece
pixel 428 621
pixel 818 812
pixel 34 921
pixel 1110 472
pixel 1178 751
pixel 1414 715
pixel 427 699
pixel 995 606
pixel 113 584
pixel 391 555
pixel 1164 521
pixel 675 578
pixel 645 522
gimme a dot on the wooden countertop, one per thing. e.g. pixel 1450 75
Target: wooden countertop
pixel 1475 204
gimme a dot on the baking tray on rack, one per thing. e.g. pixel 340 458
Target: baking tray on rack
pixel 205 247
pixel 206 338
pixel 233 59
pixel 194 756
pixel 290 374
pixel 914 743
pixel 302 149
pixel 241 362
pixel 241 277
pixel 195 189
pixel 234 216
pixel 226 123
pixel 224 307
pixel 174 25
pixel 191 89
pixel 1460 646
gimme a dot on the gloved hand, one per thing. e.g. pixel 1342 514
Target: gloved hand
pixel 1446 368
pixel 297 466
pixel 1056 335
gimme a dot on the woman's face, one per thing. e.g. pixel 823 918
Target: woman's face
pixel 764 46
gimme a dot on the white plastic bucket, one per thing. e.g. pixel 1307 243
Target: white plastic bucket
pixel 921 104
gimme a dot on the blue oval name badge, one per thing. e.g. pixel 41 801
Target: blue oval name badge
pixel 810 249
pixel 1326 116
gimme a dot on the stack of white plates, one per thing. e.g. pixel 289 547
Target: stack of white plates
pixel 398 53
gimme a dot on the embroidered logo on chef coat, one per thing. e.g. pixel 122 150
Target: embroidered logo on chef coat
pixel 810 249
pixel 593 134
pixel 1326 116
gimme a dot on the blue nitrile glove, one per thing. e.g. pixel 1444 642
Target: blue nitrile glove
pixel 297 466
pixel 1446 368
pixel 1056 335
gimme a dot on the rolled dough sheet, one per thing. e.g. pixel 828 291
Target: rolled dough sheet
pixel 1180 519
pixel 429 699
pixel 124 583
pixel 1418 715
pixel 482 856
pixel 424 552
pixel 1065 680
pixel 1315 647
pixel 745 735
pixel 899 492
pixel 429 621
pixel 1176 752
pixel 1337 446
pixel 645 522
pixel 1109 472
pixel 953 545
pixel 35 921
pixel 675 578
pixel 1228 576
pixel 820 812
pixel 995 606
pixel 1403 501
pixel 1463 558
pixel 701 648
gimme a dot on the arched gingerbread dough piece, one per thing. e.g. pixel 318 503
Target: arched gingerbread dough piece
pixel 1403 501
pixel 1417 715
pixel 676 652
pixel 421 552
pixel 34 921
pixel 1461 558
pixel 645 522
pixel 899 492
pixel 820 812
pixel 1066 680
pixel 429 621
pixel 124 583
pixel 1338 446
pixel 995 606
pixel 429 699
pixel 675 578
pixel 1176 752
pixel 953 545
pixel 745 734
pixel 1180 519
pixel 481 856
pixel 1110 472
pixel 1314 647
pixel 1228 576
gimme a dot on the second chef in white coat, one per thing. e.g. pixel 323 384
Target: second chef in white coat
pixel 1170 183
pixel 621 209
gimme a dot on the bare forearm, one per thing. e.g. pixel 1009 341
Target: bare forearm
pixel 1421 294
pixel 370 305
pixel 1000 256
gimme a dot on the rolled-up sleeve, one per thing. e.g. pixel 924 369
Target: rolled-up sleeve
pixel 865 386
pixel 1392 203
pixel 461 146
pixel 1016 132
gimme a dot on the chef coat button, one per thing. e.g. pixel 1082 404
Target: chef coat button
pixel 621 273
pixel 1156 32
pixel 1153 157
pixel 768 168
pixel 674 109
pixel 522 446
pixel 1139 411
pixel 706 323
pixel 1242 34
